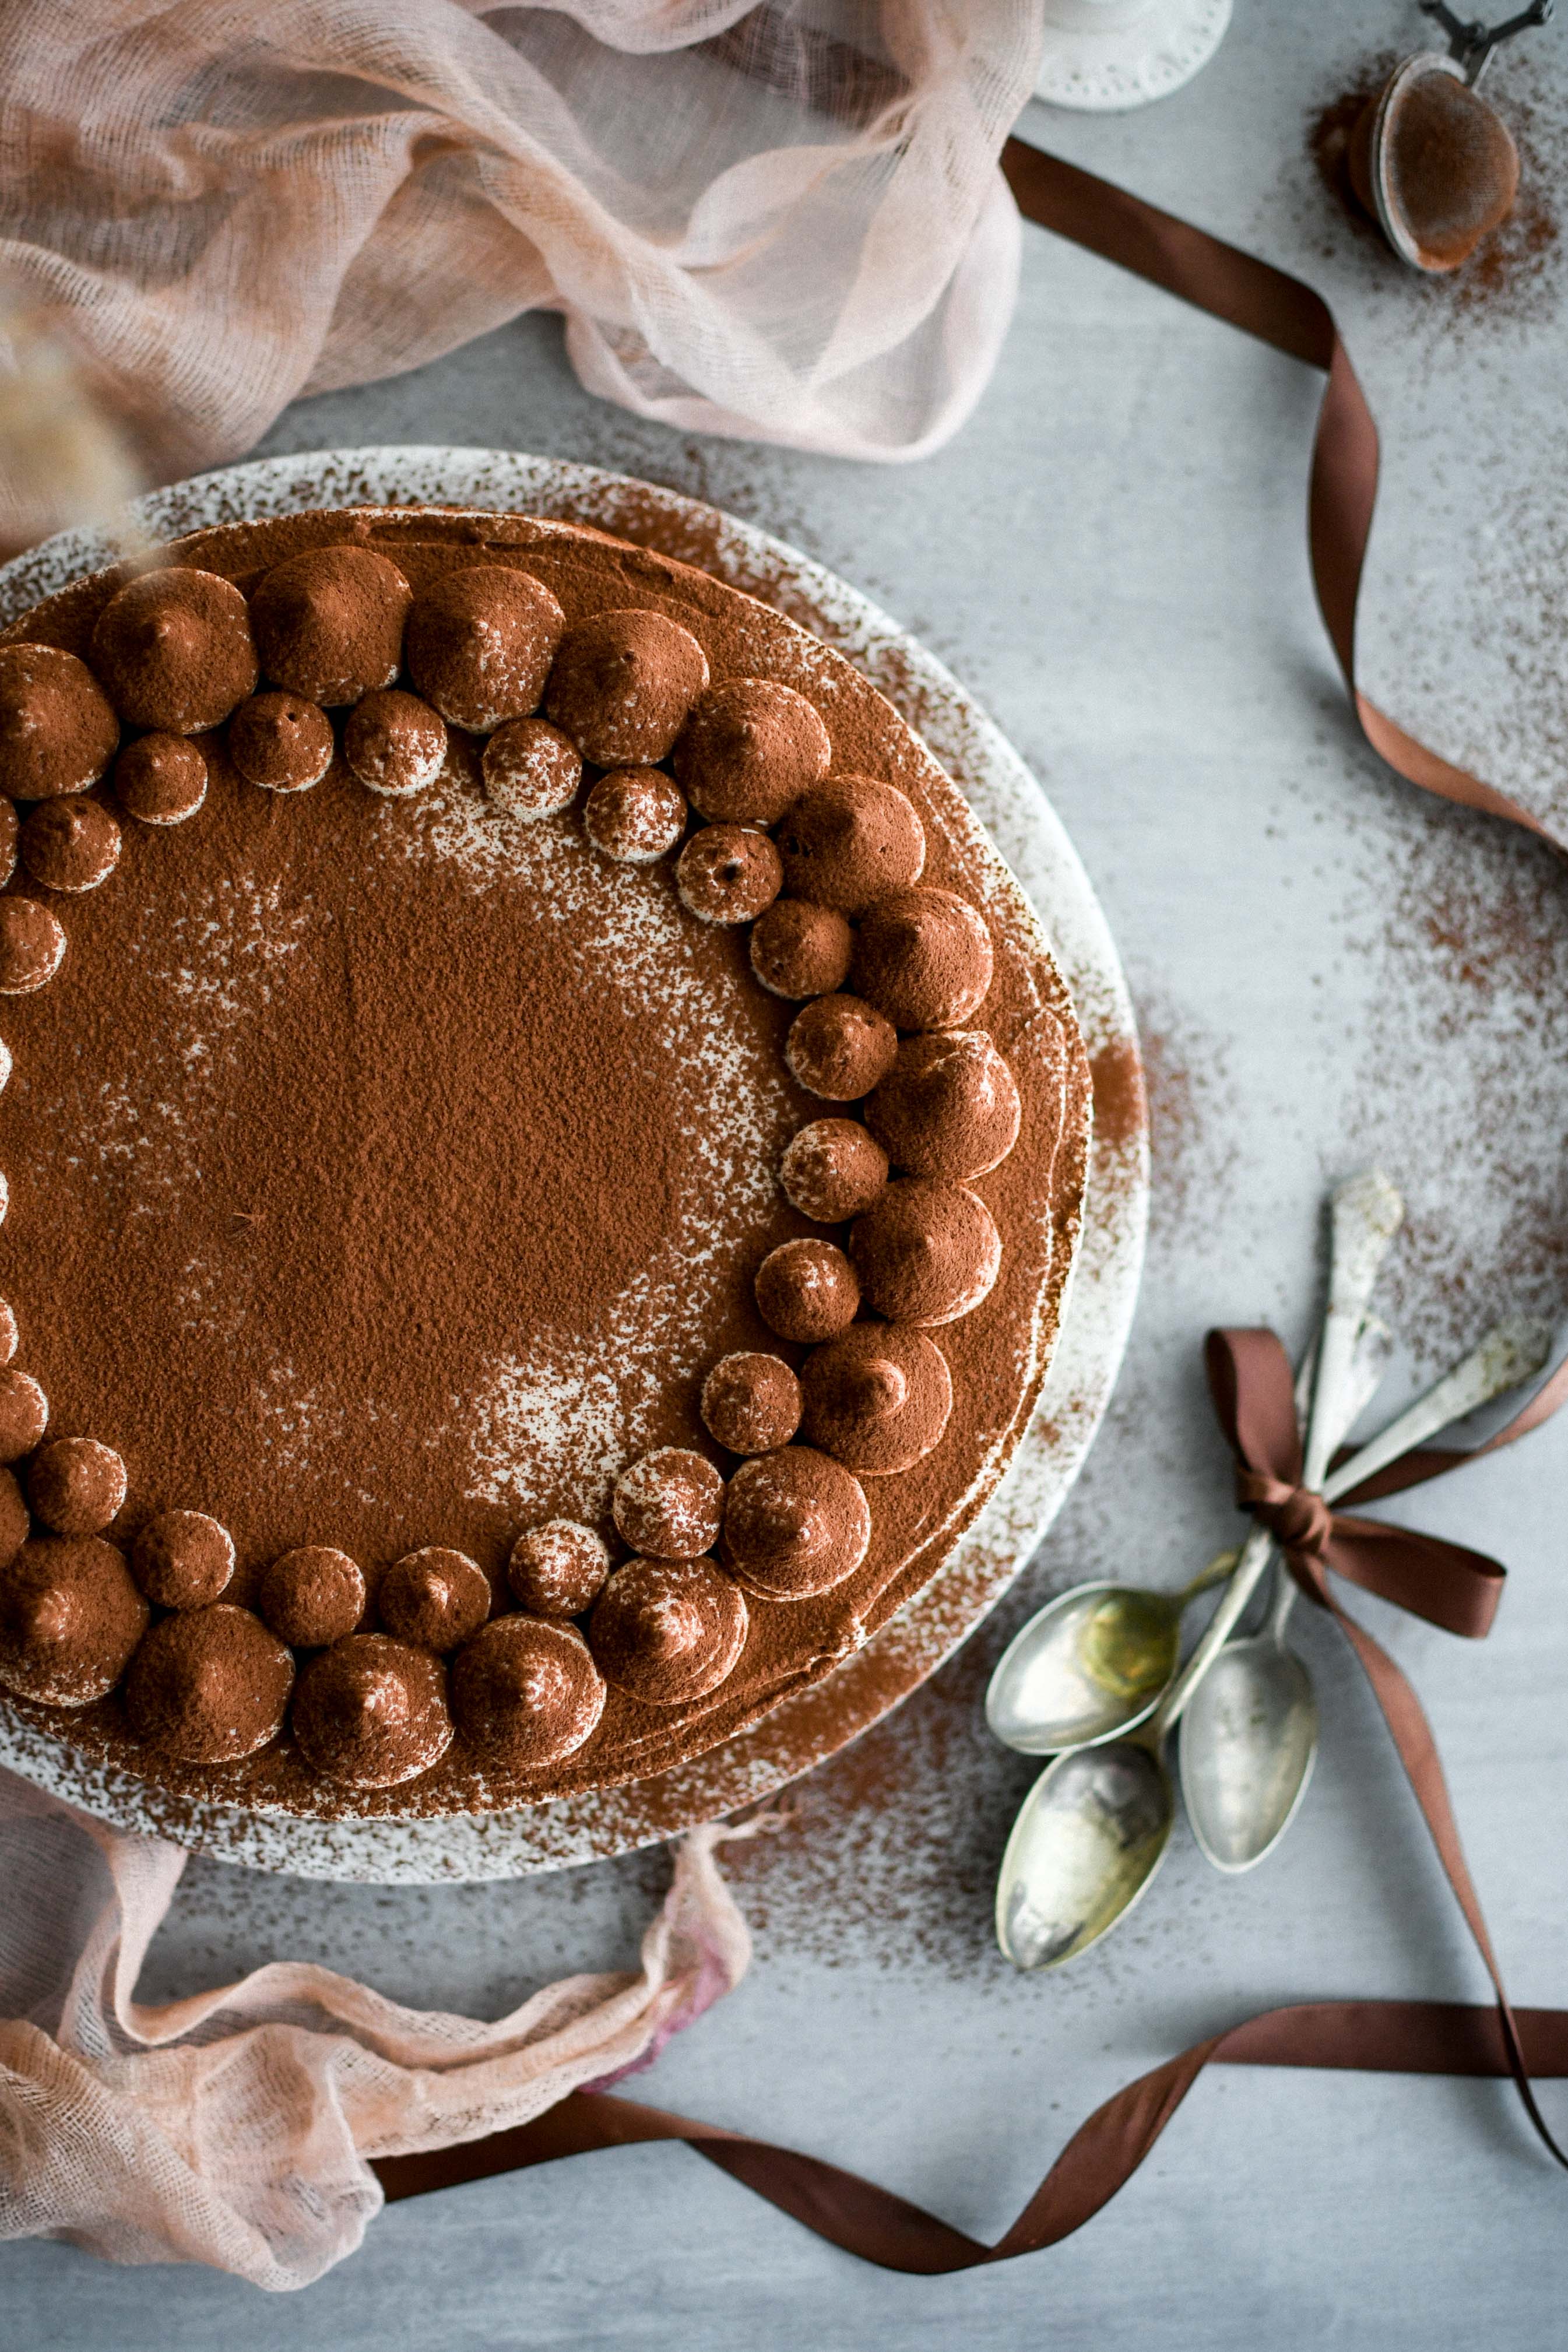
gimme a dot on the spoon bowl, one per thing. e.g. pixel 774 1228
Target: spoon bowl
pixel 1092 1833
pixel 1091 1664
pixel 1248 1744
pixel 1094 1829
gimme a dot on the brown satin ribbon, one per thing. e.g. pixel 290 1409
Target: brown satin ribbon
pixel 1443 1582
pixel 1253 1389
pixel 1277 309
pixel 1397 2037
pixel 1251 1383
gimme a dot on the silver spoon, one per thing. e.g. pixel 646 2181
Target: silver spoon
pixel 1268 1699
pixel 1250 1736
pixel 1091 1664
pixel 1094 1662
pixel 1096 1825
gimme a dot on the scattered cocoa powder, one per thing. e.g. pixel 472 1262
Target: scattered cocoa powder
pixel 1465 924
pixel 897 1838
pixel 1121 1094
pixel 1191 1116
pixel 1331 126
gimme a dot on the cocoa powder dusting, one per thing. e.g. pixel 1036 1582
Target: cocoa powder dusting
pixel 1465 931
pixel 891 1846
pixel 304 1188
pixel 1120 1095
pixel 1190 1113
pixel 315 1165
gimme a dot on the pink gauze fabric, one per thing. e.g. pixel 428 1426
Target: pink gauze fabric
pixel 783 222
pixel 235 2127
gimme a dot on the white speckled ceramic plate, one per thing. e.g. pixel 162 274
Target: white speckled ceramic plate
pixel 1009 802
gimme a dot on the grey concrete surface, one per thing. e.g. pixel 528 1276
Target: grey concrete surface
pixel 1329 968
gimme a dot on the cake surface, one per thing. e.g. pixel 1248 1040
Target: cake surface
pixel 389 1172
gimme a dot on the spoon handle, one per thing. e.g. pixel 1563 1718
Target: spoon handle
pixel 1512 1351
pixel 1221 1566
pixel 1364 1218
pixel 1256 1553
pixel 1374 1347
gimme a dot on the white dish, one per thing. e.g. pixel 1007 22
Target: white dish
pixel 1107 57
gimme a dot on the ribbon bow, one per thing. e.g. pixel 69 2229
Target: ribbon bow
pixel 1253 1396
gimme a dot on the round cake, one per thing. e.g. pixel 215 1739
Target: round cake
pixel 543 1154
